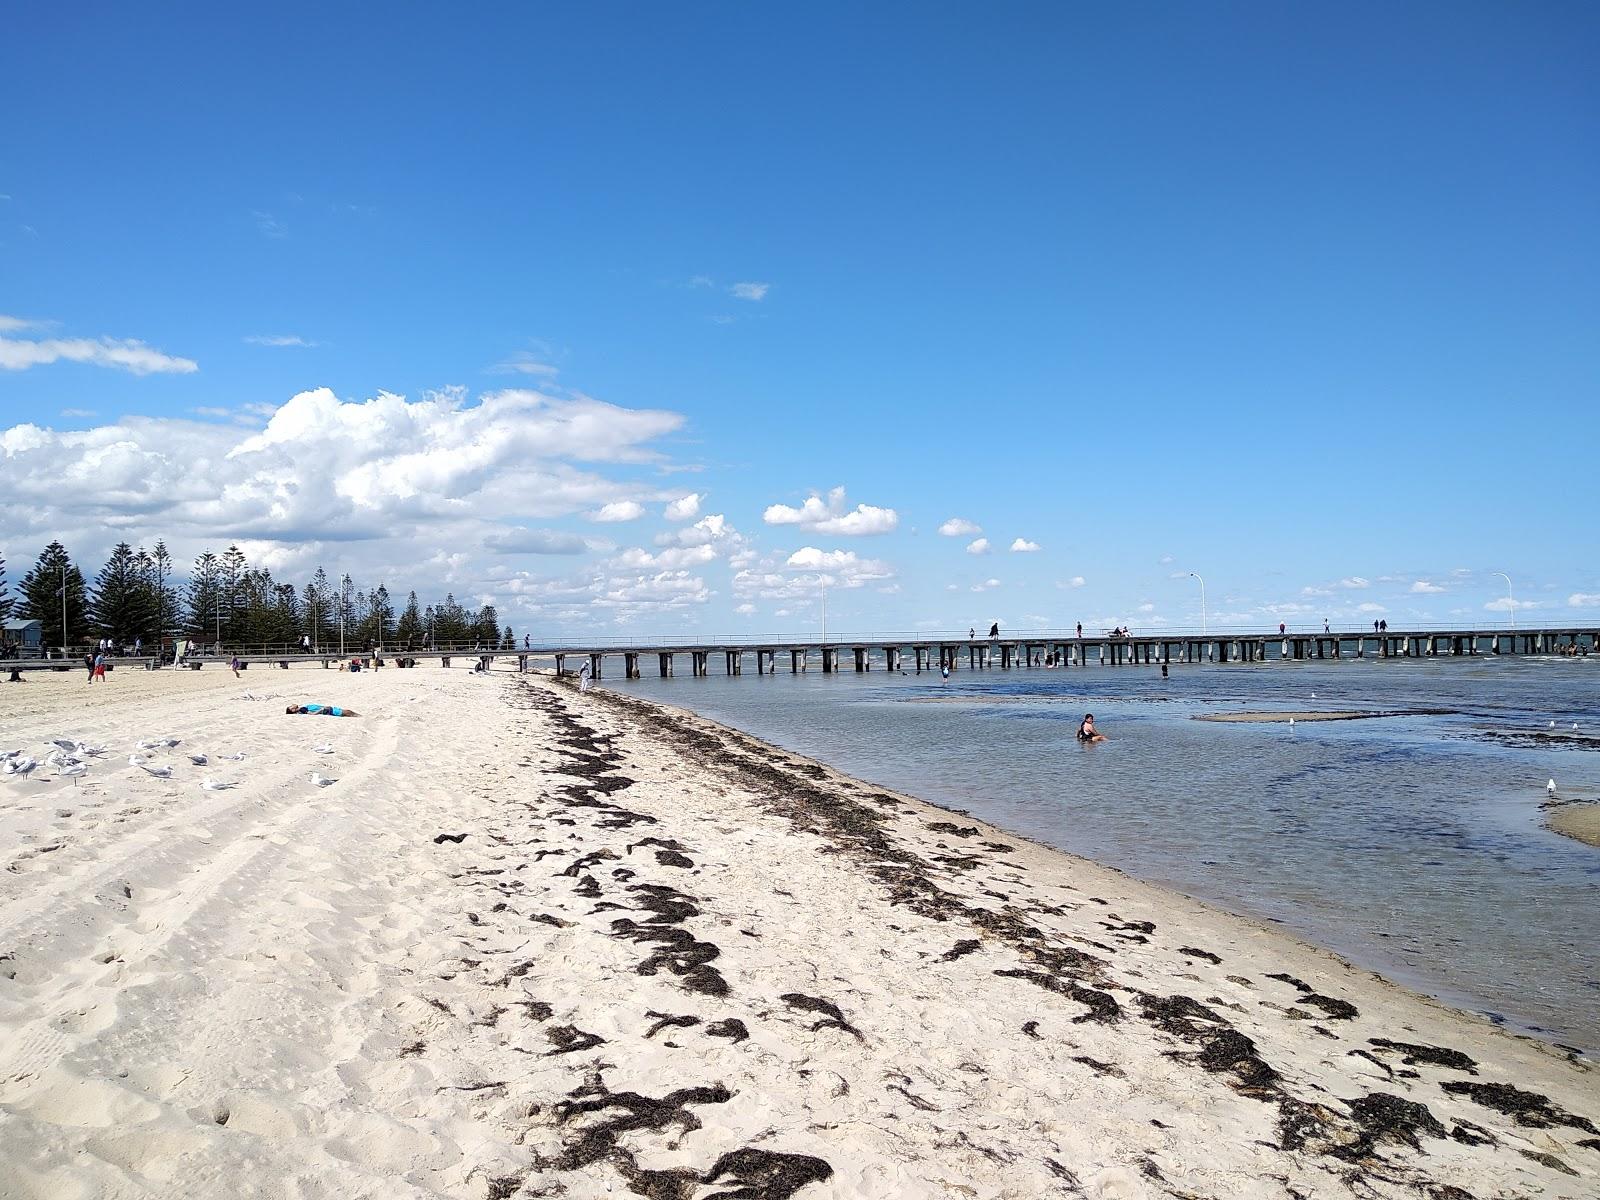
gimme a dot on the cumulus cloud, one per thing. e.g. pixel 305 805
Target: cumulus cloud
pixel 123 354
pixel 1423 588
pixel 1506 604
pixel 1077 581
pixel 750 291
pixel 1024 546
pixel 745 610
pixel 959 527
pixel 978 546
pixel 618 510
pixel 831 516
pixel 1370 607
pixel 382 481
pixel 1584 600
pixel 1354 582
pixel 988 585
pixel 684 508
pixel 278 339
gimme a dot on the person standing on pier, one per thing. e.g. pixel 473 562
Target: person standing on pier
pixel 1282 629
pixel 1325 628
pixel 1080 631
pixel 994 632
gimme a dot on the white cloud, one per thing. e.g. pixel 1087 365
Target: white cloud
pixel 1505 604
pixel 988 585
pixel 831 516
pixel 534 541
pixel 684 507
pixel 1354 582
pixel 1584 600
pixel 1147 608
pixel 269 225
pixel 1370 607
pixel 1423 588
pixel 745 610
pixel 978 546
pixel 702 281
pixel 618 510
pixel 712 529
pixel 374 486
pixel 78 413
pixel 277 339
pixel 1077 581
pixel 1024 546
pixel 1165 559
pixel 750 291
pixel 671 558
pixel 525 363
pixel 959 527
pixel 125 354
pixel 18 324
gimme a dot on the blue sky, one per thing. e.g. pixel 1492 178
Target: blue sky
pixel 1298 299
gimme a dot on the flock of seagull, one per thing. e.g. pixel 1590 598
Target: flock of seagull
pixel 70 759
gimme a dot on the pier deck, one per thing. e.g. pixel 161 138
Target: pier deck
pixel 927 653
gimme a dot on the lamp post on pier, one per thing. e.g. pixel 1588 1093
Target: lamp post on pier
pixel 1196 575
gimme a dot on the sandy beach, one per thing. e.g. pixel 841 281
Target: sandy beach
pixel 1576 820
pixel 532 942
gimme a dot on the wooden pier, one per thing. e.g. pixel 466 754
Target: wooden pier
pixel 922 653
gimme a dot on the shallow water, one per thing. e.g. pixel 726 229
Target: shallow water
pixel 1411 845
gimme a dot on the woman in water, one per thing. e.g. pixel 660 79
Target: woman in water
pixel 1086 730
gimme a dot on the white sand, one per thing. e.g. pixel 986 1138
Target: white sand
pixel 284 990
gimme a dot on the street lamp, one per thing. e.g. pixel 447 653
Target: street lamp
pixel 1196 575
pixel 344 599
pixel 1510 599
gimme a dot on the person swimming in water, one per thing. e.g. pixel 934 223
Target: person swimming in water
pixel 321 710
pixel 1087 732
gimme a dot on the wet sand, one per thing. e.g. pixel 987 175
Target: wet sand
pixel 1254 718
pixel 1580 821
pixel 534 942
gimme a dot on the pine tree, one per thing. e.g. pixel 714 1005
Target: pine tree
pixel 5 594
pixel 486 628
pixel 166 596
pixel 344 607
pixel 409 627
pixel 122 608
pixel 204 598
pixel 508 640
pixel 234 568
pixel 381 619
pixel 42 596
pixel 316 607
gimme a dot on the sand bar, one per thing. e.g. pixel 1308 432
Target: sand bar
pixel 1579 821
pixel 533 942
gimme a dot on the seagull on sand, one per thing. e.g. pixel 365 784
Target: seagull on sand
pixel 217 785
pixel 20 764
pixel 73 771
pixel 199 760
pixel 325 748
pixel 161 771
pixel 233 757
pixel 321 780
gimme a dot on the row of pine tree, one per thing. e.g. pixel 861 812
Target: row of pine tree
pixel 138 596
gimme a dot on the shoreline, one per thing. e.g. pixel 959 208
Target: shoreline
pixel 536 938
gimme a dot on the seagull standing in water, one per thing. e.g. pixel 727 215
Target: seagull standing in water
pixel 1550 788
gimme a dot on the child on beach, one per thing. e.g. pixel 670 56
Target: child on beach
pixel 321 710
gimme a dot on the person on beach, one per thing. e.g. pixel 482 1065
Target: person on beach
pixel 88 668
pixel 583 678
pixel 233 665
pixel 1086 730
pixel 99 668
pixel 320 710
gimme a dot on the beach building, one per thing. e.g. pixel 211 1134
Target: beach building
pixel 23 638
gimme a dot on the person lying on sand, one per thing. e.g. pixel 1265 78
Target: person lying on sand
pixel 1086 730
pixel 321 710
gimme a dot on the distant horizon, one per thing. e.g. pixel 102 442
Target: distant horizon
pixel 670 322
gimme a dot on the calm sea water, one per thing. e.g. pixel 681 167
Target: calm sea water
pixel 1411 845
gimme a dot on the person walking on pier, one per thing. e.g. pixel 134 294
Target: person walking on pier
pixel 971 633
pixel 994 632
pixel 1325 628
pixel 1080 631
